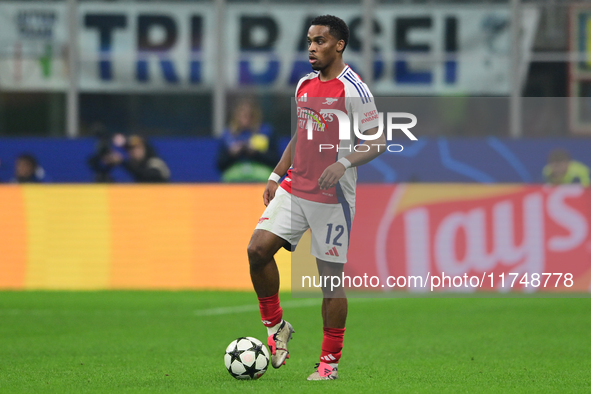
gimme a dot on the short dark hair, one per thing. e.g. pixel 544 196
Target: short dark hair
pixel 558 155
pixel 29 158
pixel 336 27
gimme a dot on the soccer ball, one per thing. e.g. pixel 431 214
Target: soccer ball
pixel 246 358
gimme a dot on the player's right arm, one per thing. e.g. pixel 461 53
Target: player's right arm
pixel 280 169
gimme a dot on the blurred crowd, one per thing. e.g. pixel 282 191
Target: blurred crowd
pixel 561 169
pixel 248 148
pixel 247 151
pixel 132 153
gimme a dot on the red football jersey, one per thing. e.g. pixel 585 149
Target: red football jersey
pixel 318 149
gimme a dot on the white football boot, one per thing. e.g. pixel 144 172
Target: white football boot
pixel 325 371
pixel 278 344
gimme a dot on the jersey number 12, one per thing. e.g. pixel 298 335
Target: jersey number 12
pixel 339 230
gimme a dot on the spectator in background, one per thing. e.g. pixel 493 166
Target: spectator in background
pixel 247 152
pixel 562 170
pixel 140 160
pixel 28 170
pixel 99 161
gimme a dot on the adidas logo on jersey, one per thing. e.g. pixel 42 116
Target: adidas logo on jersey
pixel 333 252
pixel 304 98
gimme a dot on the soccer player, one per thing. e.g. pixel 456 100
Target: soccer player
pixel 318 192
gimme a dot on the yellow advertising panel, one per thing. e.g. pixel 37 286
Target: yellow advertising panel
pixel 129 236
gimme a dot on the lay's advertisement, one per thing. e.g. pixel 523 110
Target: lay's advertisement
pixel 469 238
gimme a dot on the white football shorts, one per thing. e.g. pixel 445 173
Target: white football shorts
pixel 288 217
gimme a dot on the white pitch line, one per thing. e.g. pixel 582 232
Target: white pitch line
pixel 199 312
pixel 228 310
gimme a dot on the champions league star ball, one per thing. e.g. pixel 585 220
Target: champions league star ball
pixel 246 358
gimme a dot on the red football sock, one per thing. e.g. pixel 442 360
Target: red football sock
pixel 332 344
pixel 271 312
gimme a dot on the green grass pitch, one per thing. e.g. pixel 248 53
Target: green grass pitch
pixel 173 342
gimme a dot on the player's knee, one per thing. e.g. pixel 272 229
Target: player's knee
pixel 333 291
pixel 257 255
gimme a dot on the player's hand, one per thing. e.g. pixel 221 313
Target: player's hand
pixel 331 176
pixel 269 193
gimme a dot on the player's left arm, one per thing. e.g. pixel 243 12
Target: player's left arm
pixel 335 171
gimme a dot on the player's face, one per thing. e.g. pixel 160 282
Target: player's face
pixel 323 48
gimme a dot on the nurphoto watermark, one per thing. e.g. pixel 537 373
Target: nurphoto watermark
pixel 313 120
